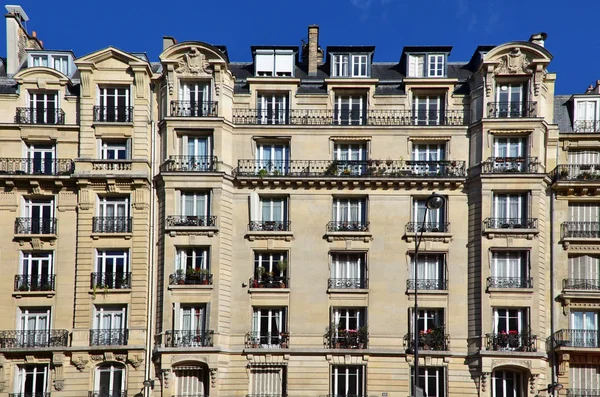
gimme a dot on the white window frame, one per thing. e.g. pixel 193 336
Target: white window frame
pixel 584 376
pixel 190 380
pixel 21 378
pixel 44 98
pixel 196 195
pixel 360 65
pixel 438 373
pixel 341 65
pixel 198 255
pixel 114 147
pixel 58 62
pixel 272 157
pixel 111 369
pixel 432 216
pixel 587 115
pixel 345 372
pixel 340 203
pixel 517 379
pixel 35 152
pixel 342 317
pixel 109 91
pixel 61 63
pixel 505 108
pixel 584 267
pixel 522 202
pixel 194 311
pixel 106 258
pixel 272 314
pixel 29 257
pixel 416 65
pixel 350 101
pixel 39 334
pixel 501 264
pixel 269 261
pixel 510 313
pixel 39 60
pixel 431 267
pixel 350 265
pixel 115 202
pixel 436 65
pixel 113 311
pixel 269 202
pixel 428 109
pixel 272 108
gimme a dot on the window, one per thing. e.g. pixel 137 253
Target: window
pixel 507 384
pixel 510 269
pixel 510 153
pixel 31 380
pixel 348 270
pixel 113 215
pixel 272 62
pixel 584 377
pixel 428 109
pixel 110 327
pixel 61 63
pixel 41 159
pixel 195 204
pixel 36 272
pixel 43 107
pixel 268 213
pixel 34 324
pixel 114 150
pixel 349 214
pixel 55 61
pixel 196 153
pixel 267 326
pixel 359 66
pixel 431 272
pixel 113 105
pixel 427 220
pixel 193 323
pixel 270 269
pixel 194 99
pixel 112 269
pixel 584 328
pixel 273 158
pixel 350 110
pixel 273 209
pixel 39 60
pixel 583 157
pixel 38 217
pixel 272 108
pixel 511 209
pixel 584 272
pixel 348 318
pixel 427 157
pixel 348 380
pixel 350 157
pixel 586 116
pixel 268 380
pixel 340 66
pixel 511 329
pixel 431 379
pixel 416 65
pixel 428 319
pixel 435 65
pixel 191 381
pixel 510 100
pixel 109 381
pixel 348 65
pixel 584 212
pixel 192 259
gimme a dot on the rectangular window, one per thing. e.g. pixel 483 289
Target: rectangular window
pixel 431 272
pixel 110 380
pixel 36 272
pixel 511 100
pixel 41 159
pixel 584 212
pixel 584 157
pixel 510 153
pixel 191 381
pixel 192 260
pixel 511 329
pixel 349 213
pixel 195 204
pixel 510 209
pixel 38 217
pixel 194 99
pixel 61 63
pixel 193 320
pixel 113 105
pixel 273 211
pixel 348 270
pixel 427 157
pixel 195 153
pixel 268 380
pixel 436 65
pixel 416 65
pixel 31 380
pixel 340 65
pixel 114 149
pixel 428 109
pixel 40 60
pixel 584 272
pixel 348 380
pixel 110 326
pixel 273 62
pixel 586 116
pixel 584 378
pixel 428 319
pixel 43 107
pixel 272 108
pixel 584 328
pixel 359 65
pixel 349 158
pixel 267 326
pixel 273 158
pixel 350 110
pixel 348 319
pixel 272 262
pixel 510 269
pixel 428 220
pixel 507 384
pixel 432 380
pixel 34 324
pixel 113 215
pixel 112 269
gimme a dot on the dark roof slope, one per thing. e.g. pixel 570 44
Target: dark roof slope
pixel 563 114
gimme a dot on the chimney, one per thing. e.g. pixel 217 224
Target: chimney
pixel 538 38
pixel 168 41
pixel 313 49
pixel 17 38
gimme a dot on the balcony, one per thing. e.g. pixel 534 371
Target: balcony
pixel 40 116
pixel 437 284
pixel 34 394
pixel 110 281
pixel 511 341
pixel 583 392
pixel 190 164
pixel 108 337
pixel 581 284
pixel 269 282
pixel 577 338
pixel 113 114
pixel 586 126
pixel 35 226
pixel 112 165
pixel 348 283
pixel 427 227
pixel 578 230
pixel 510 223
pixel 509 282
pixel 29 166
pixel 348 226
pixel 32 339
pixel 111 224
pixel 187 338
pixel 196 277
pixel 269 226
pixel 193 109
pixel 34 283
pixel 434 339
pixel 191 221
pixel 506 110
pixel 346 338
pixel 266 340
pixel 511 165
pixel 106 393
pixel 587 173
pixel 370 117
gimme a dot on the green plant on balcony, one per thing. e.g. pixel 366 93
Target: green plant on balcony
pixel 260 271
pixel 332 169
pixel 363 336
pixel 262 173
pixel 346 172
pixel 564 173
pixel 584 175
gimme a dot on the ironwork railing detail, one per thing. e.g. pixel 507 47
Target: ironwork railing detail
pixel 107 393
pixel 38 338
pixel 501 110
pixel 269 340
pixel 348 226
pixel 28 282
pixel 113 114
pixel 512 341
pixel 111 224
pixel 576 172
pixel 112 165
pixel 577 338
pixel 194 109
pixel 190 164
pixel 34 166
pixel 191 221
pixel 346 338
pixel 39 116
pixel 352 168
pixel 269 226
pixel 35 226
pixel 510 223
pixel 510 282
pixel 434 284
pixel 431 339
pixel 36 394
pixel 580 230
pixel 348 283
pixel 586 126
pixel 200 277
pixel 189 338
pixel 267 281
pixel 583 392
pixel 111 280
pixel 108 337
pixel 588 284
pixel 377 117
pixel 506 165
pixel 428 227
pixel 262 395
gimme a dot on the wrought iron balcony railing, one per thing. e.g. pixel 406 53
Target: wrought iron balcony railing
pixel 502 110
pixel 114 393
pixel 512 341
pixel 111 224
pixel 191 221
pixel 580 230
pixel 269 226
pixel 35 226
pixel 508 165
pixel 31 166
pixel 189 338
pixel 33 394
pixel 376 117
pixel 111 280
pixel 28 282
pixel 201 277
pixel 39 116
pixel 113 114
pixel 346 338
pixel 348 283
pixel 583 392
pixel 267 281
pixel 258 395
pixel 510 282
pixel 428 227
pixel 588 284
pixel 348 226
pixel 190 164
pixel 108 337
pixel 434 284
pixel 577 338
pixel 38 338
pixel 587 173
pixel 194 109
pixel 586 126
pixel 431 339
pixel 510 223
pixel 112 165
pixel 351 168
pixel 267 340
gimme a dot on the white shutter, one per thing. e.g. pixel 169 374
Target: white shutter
pixel 254 207
pixel 284 62
pixel 264 61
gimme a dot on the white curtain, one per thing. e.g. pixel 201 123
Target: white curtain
pixel 585 377
pixel 584 267
pixel 190 381
pixel 267 380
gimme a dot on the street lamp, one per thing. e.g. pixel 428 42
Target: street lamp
pixel 433 202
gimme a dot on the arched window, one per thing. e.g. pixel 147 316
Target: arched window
pixel 507 384
pixel 192 380
pixel 110 381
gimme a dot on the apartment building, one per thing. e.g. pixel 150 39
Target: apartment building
pixel 248 228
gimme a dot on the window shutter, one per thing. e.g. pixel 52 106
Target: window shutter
pixel 254 207
pixel 207 316
pixel 128 146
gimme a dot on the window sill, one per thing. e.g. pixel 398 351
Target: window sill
pixel 347 290
pixel 267 290
pixel 349 235
pixel 527 233
pixel 428 292
pixel 265 235
pixel 445 237
pixel 126 236
pixel 102 291
pixel 191 286
pixel 209 231
pixel 49 236
pixel 21 294
pixel 510 290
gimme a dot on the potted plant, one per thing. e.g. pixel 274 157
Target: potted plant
pixel 332 169
pixel 389 162
pixel 262 173
pixel 362 336
pixel 260 271
pixel 180 276
pixel 204 275
pixel 346 172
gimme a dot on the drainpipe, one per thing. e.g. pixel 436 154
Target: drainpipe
pixel 554 365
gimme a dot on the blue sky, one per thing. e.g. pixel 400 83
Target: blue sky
pixel 138 25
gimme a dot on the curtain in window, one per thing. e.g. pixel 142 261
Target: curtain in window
pixel 584 267
pixel 190 381
pixel 267 381
pixel 585 377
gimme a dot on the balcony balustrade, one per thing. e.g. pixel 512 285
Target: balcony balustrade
pixel 427 227
pixel 509 165
pixel 194 109
pixel 432 339
pixel 189 338
pixel 434 284
pixel 510 223
pixel 111 280
pixel 267 281
pixel 195 277
pixel 113 114
pixel 577 338
pixel 587 173
pixel 36 166
pixel 108 337
pixel 348 283
pixel 35 226
pixel 267 340
pixel 510 282
pixel 191 221
pixel 346 338
pixel 586 126
pixel 34 283
pixel 32 339
pixel 583 392
pixel 111 224
pixel 112 165
pixel 580 230
pixel 190 164
pixel 107 393
pixel 348 226
pixel 583 284
pixel 269 226
pixel 503 110
pixel 40 116
pixel 512 341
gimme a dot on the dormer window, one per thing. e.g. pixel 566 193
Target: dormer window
pixel 278 63
pixel 348 65
pixel 58 62
pixel 586 115
pixel 434 67
pixel 39 60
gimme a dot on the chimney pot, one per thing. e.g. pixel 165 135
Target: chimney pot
pixel 34 33
pixel 168 41
pixel 538 38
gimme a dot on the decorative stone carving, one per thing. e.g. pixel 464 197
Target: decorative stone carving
pixel 213 377
pixel 97 357
pixel 194 63
pixel 3 380
pixel 532 380
pixel 484 379
pixel 514 62
pixel 563 367
pixel 59 372
pixel 520 363
pixel 79 362
pixel 59 384
pixel 121 357
pixel 136 361
pixel 165 377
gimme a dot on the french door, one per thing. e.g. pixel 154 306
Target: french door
pixel 36 271
pixel 511 100
pixel 40 159
pixel 511 328
pixel 430 271
pixel 31 380
pixel 197 153
pixel 510 153
pixel 268 324
pixel 109 324
pixel 114 214
pixel 195 99
pixel 587 116
pixel 193 326
pixel 43 107
pixel 347 380
pixel 431 220
pixel 348 270
pixel 510 209
pixel 113 104
pixel 272 109
pixel 584 329
pixel 40 214
pixel 427 158
pixel 349 158
pixel 112 269
pixel 510 268
pixel 350 110
pixel 348 210
pixel 35 326
pixel 110 381
pixel 584 272
pixel 507 384
pixel 194 204
pixel 273 158
pixel 428 109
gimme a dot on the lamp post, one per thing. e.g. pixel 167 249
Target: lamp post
pixel 433 202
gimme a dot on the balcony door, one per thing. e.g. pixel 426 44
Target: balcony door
pixel 350 158
pixel 113 104
pixel 348 318
pixel 510 153
pixel 196 151
pixel 507 384
pixel 347 380
pixel 109 324
pixel 510 327
pixel 112 269
pixel 114 214
pixel 430 271
pixel 584 272
pixel 191 381
pixel 31 380
pixel 272 109
pixel 349 211
pixel 35 326
pixel 273 158
pixel 40 159
pixel 510 209
pixel 428 109
pixel 195 204
pixel 510 268
pixel 267 324
pixel 511 100
pixel 43 107
pixel 350 110
pixel 348 270
pixel 191 260
pixel 428 319
pixel 36 271
pixel 40 215
pixel 584 329
pixel 193 325
pixel 195 99
pixel 110 381
pixel 273 211
pixel 430 220
pixel 586 119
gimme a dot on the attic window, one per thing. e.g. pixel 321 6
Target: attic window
pixel 279 63
pixel 427 65
pixel 350 65
pixel 54 61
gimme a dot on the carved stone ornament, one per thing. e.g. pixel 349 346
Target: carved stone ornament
pixel 514 62
pixel 484 379
pixel 165 377
pixel 194 63
pixel 136 361
pixel 59 384
pixel 213 377
pixel 79 362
